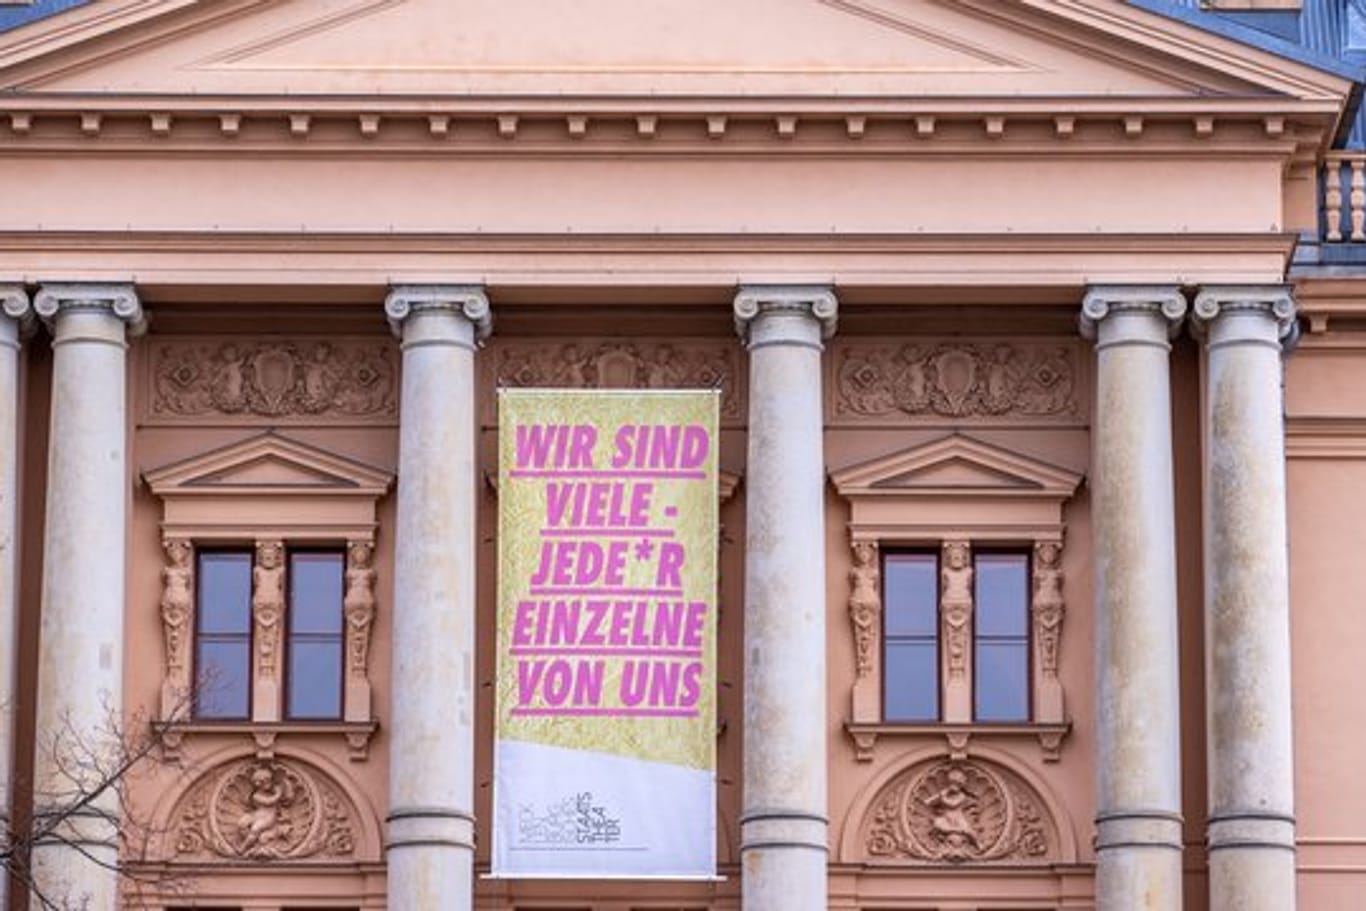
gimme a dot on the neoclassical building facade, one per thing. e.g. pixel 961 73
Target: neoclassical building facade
pixel 1038 331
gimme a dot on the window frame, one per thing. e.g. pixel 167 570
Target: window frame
pixel 963 490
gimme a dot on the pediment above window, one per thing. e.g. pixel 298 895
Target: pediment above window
pixel 955 463
pixel 269 481
pixel 961 484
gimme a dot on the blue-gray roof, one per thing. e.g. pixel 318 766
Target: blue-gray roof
pixel 12 16
pixel 1326 34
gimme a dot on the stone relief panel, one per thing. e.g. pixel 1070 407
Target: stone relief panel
pixel 287 380
pixel 635 364
pixel 949 811
pixel 952 381
pixel 264 810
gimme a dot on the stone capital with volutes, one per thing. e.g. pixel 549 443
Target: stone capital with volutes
pixel 14 303
pixel 1165 302
pixel 118 300
pixel 1272 305
pixel 817 302
pixel 466 301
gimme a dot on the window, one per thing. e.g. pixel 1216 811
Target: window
pixel 313 680
pixel 233 597
pixel 910 637
pixel 991 612
pixel 223 635
pixel 956 601
pixel 1000 637
pixel 268 591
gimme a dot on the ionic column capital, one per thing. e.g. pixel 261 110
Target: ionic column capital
pixel 1245 314
pixel 118 300
pixel 1165 303
pixel 466 301
pixel 816 303
pixel 14 303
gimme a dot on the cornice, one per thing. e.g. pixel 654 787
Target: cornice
pixel 585 125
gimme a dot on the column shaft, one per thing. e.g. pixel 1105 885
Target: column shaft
pixel 1247 602
pixel 1138 711
pixel 783 824
pixel 80 655
pixel 430 845
pixel 14 308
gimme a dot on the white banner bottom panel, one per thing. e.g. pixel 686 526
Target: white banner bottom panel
pixel 564 813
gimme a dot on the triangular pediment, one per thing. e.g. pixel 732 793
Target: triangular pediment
pixel 956 465
pixel 713 48
pixel 266 464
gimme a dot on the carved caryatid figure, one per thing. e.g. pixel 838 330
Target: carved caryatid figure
pixel 864 603
pixel 1048 603
pixel 956 603
pixel 359 604
pixel 268 602
pixel 177 602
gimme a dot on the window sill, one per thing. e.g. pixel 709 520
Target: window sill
pixel 357 734
pixel 958 735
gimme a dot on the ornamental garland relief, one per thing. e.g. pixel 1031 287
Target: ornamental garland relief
pixel 264 810
pixel 924 381
pixel 958 811
pixel 297 380
pixel 594 364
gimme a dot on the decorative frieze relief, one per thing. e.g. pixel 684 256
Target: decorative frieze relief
pixel 958 811
pixel 595 364
pixel 293 380
pixel 928 381
pixel 264 811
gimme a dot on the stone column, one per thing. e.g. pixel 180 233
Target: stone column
pixel 14 314
pixel 783 826
pixel 1138 710
pixel 430 845
pixel 1251 832
pixel 80 655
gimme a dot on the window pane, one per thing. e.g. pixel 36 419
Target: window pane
pixel 911 681
pixel 224 593
pixel 315 586
pixel 910 594
pixel 1002 681
pixel 223 678
pixel 315 679
pixel 1002 595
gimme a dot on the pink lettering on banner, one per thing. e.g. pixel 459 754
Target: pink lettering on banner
pixel 585 639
